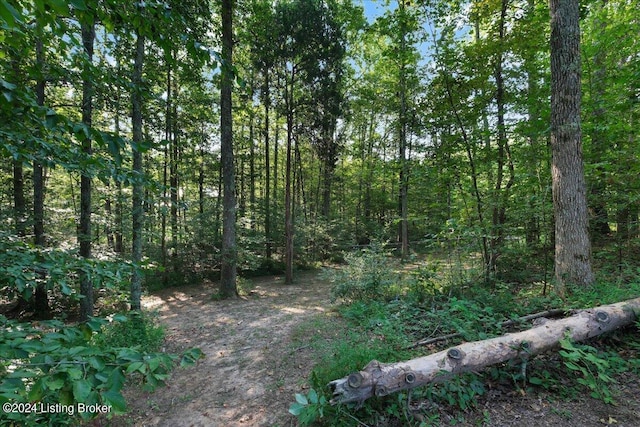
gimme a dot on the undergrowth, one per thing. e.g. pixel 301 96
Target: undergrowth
pixel 385 309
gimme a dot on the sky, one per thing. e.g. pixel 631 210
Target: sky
pixel 373 9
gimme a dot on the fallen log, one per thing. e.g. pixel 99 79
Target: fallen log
pixel 380 379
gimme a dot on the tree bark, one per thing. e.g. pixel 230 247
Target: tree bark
pixel 84 234
pixel 403 184
pixel 572 245
pixel 501 194
pixel 266 100
pixel 379 379
pixel 288 215
pixel 229 250
pixel 137 212
pixel 41 299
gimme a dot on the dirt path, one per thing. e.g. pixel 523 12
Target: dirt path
pixel 251 370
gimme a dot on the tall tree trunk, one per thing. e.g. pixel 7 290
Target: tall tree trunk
pixel 173 175
pixel 118 222
pixel 19 203
pixel 266 100
pixel 137 212
pixel 84 235
pixel 229 250
pixel 501 193
pixel 201 167
pixel 216 227
pixel 41 300
pixel 288 214
pixel 572 245
pixel 403 185
pixel 252 160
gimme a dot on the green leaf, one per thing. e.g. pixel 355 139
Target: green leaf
pixel 153 363
pixel 115 400
pixel 572 366
pixel 81 390
pixel 312 396
pixel 96 363
pixel 302 399
pixel 136 366
pixel 9 14
pixel 535 380
pixel 37 390
pixel 78 4
pixel 6 85
pixel 296 409
pixel 60 6
pixel 54 383
pixel 74 373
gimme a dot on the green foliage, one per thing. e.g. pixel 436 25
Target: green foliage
pixel 368 275
pixel 461 391
pixel 308 408
pixel 595 371
pixel 51 363
pixel 20 264
pixel 136 329
pixel 606 290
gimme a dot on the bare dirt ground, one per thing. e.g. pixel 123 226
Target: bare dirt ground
pixel 251 370
pixel 253 367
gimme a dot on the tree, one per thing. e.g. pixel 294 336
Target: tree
pixel 41 298
pixel 84 233
pixel 137 212
pixel 572 244
pixel 228 287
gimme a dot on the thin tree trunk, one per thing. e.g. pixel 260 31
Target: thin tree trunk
pixel 501 194
pixel 137 212
pixel 84 235
pixel 288 214
pixel 41 301
pixel 173 179
pixel 403 184
pixel 19 205
pixel 229 250
pixel 119 226
pixel 573 248
pixel 19 202
pixel 266 100
pixel 252 161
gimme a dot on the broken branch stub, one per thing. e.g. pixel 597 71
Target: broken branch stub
pixel 380 379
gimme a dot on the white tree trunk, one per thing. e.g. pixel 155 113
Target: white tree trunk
pixel 381 379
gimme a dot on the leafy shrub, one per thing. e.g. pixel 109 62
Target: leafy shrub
pixel 368 275
pixel 308 408
pixel 50 363
pixel 136 329
pixel 595 371
pixel 20 264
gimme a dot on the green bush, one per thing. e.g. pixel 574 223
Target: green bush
pixel 136 329
pixel 368 275
pixel 52 374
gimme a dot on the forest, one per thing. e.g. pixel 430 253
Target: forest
pixel 474 160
